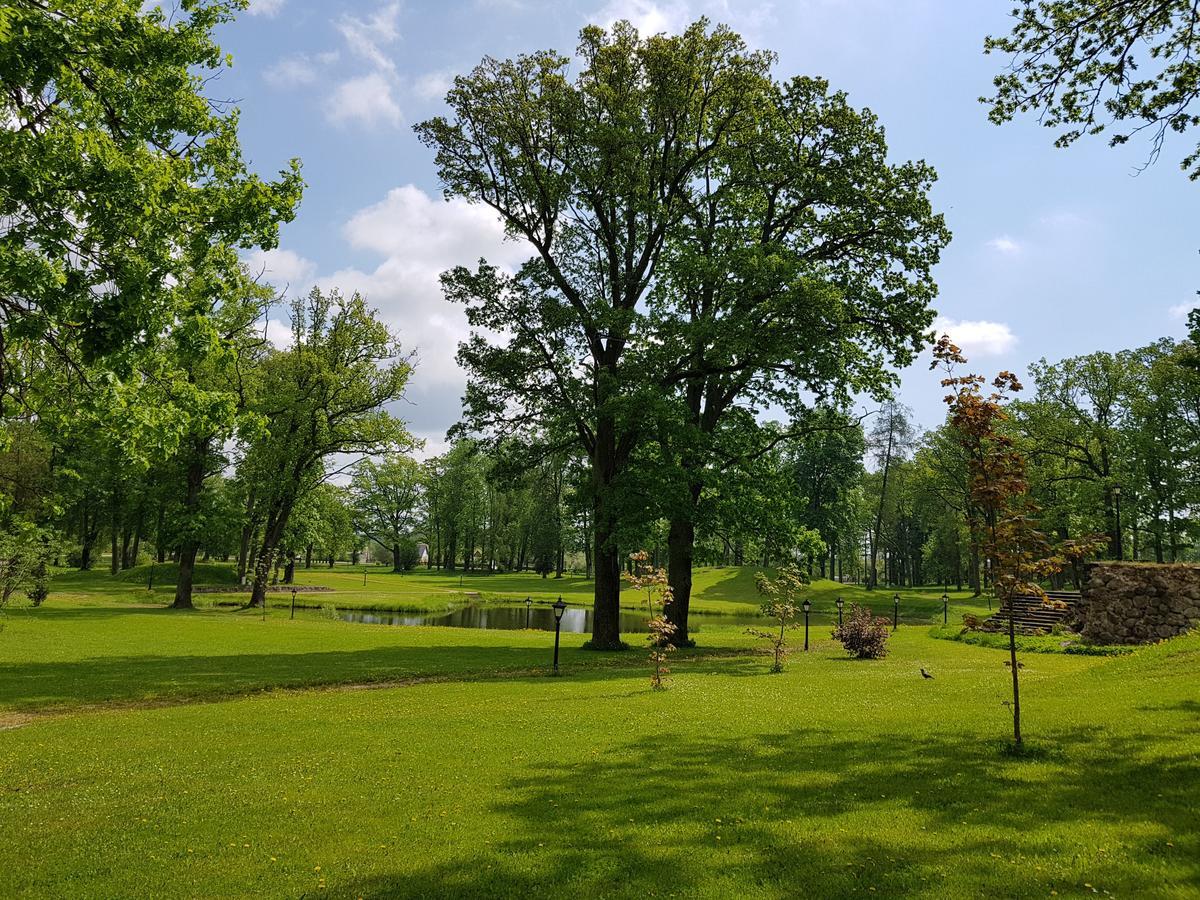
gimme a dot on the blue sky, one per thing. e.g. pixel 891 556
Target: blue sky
pixel 1055 252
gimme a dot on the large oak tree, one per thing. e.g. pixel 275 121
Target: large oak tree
pixel 593 173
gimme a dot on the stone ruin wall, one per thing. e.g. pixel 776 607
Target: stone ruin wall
pixel 1139 603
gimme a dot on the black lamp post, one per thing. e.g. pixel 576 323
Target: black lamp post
pixel 528 611
pixel 895 612
pixel 293 603
pixel 945 609
pixel 807 606
pixel 150 579
pixel 840 603
pixel 1117 496
pixel 559 609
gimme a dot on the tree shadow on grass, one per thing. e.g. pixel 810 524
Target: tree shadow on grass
pixel 809 813
pixel 162 678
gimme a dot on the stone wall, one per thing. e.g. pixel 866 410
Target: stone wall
pixel 1139 603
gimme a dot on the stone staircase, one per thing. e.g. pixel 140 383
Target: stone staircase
pixel 1032 616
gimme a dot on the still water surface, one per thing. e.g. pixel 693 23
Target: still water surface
pixel 576 619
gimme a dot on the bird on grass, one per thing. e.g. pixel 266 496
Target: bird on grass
pixel 925 674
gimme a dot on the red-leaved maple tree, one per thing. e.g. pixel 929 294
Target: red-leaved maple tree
pixel 1004 518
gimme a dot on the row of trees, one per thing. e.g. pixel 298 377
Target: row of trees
pixel 139 400
pixel 1112 441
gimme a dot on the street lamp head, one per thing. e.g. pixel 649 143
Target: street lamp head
pixel 840 602
pixel 1116 490
pixel 896 599
pixel 945 598
pixel 529 601
pixel 559 609
pixel 807 605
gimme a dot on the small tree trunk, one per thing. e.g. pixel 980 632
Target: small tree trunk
pixel 1016 683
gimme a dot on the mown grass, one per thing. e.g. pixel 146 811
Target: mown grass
pixel 77 653
pixel 832 779
pixel 1029 643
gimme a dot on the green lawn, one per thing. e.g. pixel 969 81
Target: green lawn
pixel 479 775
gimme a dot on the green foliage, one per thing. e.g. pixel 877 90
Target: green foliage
pixel 863 634
pixel 1082 66
pixel 409 555
pixel 26 551
pixel 323 396
pixel 117 173
pixel 387 497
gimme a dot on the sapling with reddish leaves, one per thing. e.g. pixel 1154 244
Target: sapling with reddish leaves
pixel 645 576
pixel 1003 512
pixel 780 596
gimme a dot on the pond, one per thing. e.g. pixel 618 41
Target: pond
pixel 505 617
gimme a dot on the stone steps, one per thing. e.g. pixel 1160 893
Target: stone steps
pixel 1032 615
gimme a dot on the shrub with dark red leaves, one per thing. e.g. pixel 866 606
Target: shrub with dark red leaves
pixel 862 634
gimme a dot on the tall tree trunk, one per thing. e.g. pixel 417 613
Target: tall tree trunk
pixel 873 578
pixel 308 553
pixel 87 538
pixel 272 532
pixel 396 557
pixel 191 508
pixel 606 605
pixel 160 533
pixel 136 550
pixel 681 548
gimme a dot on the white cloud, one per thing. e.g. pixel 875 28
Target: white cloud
pixel 278 333
pixel 268 8
pixel 282 268
pixel 366 37
pixel 1004 244
pixel 419 237
pixel 367 99
pixel 978 337
pixel 647 16
pixel 432 85
pixel 299 69
pixel 673 16
pixel 1179 312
